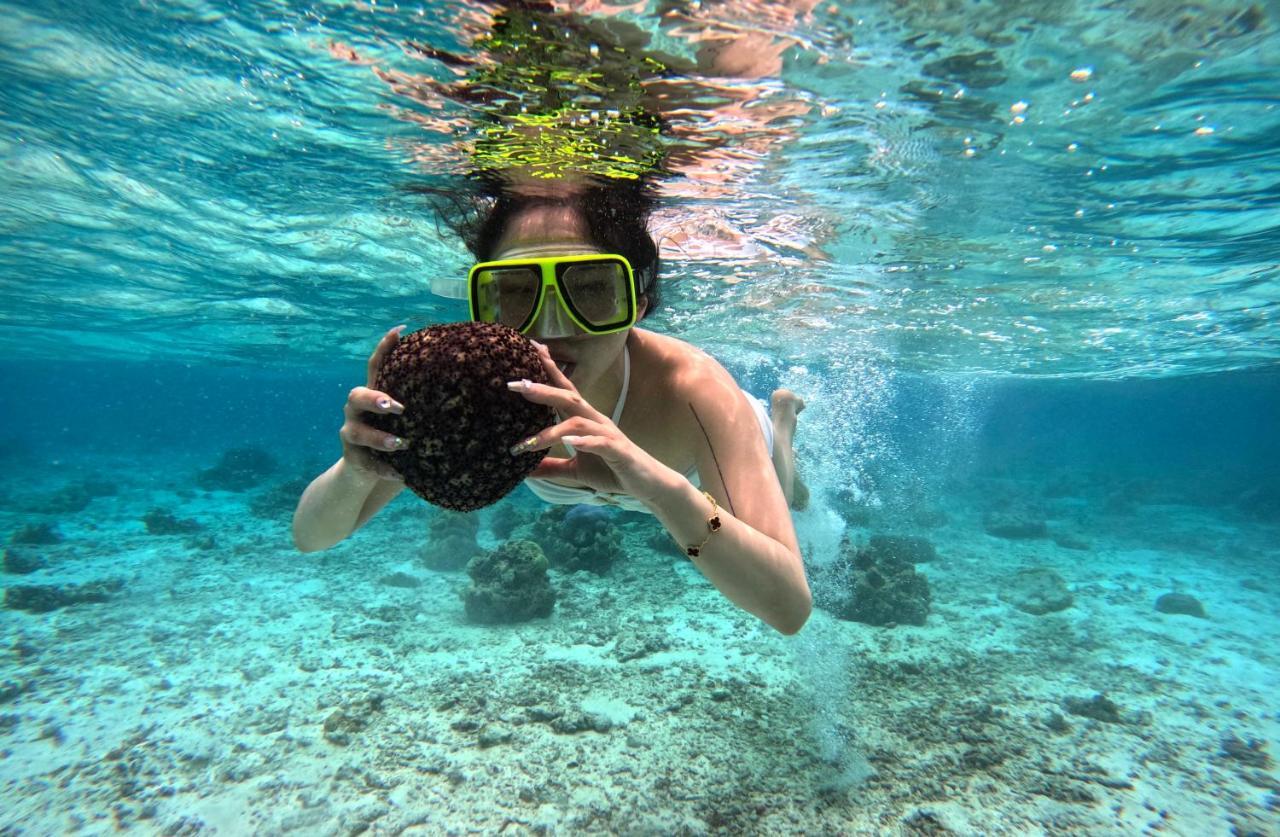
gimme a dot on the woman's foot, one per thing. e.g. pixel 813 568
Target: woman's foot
pixel 786 402
pixel 785 405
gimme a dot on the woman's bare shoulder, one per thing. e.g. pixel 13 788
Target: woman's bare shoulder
pixel 682 394
pixel 687 372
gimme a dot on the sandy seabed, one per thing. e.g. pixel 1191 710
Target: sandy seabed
pixel 233 686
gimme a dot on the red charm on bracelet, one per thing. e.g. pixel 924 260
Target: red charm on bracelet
pixel 713 526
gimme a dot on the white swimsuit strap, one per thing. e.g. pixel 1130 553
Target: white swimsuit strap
pixel 626 384
pixel 622 396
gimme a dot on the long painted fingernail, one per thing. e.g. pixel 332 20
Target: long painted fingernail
pixel 396 443
pixel 524 446
pixel 521 385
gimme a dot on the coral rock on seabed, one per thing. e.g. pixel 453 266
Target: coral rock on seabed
pixel 581 537
pixel 239 469
pixel 161 522
pixel 36 534
pixel 1015 525
pixel 1099 708
pixel 459 419
pixel 507 518
pixel 866 586
pixel 909 548
pixel 1036 590
pixel 1180 603
pixel 21 562
pixel 43 598
pixel 509 584
pixel 451 542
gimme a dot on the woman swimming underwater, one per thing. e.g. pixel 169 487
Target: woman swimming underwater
pixel 648 422
pixel 564 254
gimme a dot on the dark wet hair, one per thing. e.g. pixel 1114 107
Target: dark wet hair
pixel 616 214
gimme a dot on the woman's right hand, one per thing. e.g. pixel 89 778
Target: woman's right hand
pixel 358 437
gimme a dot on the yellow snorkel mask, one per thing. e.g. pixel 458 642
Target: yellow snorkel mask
pixel 595 294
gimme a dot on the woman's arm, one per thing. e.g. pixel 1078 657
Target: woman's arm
pixel 754 558
pixel 337 503
pixel 340 500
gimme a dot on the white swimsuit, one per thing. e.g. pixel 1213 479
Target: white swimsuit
pixel 553 492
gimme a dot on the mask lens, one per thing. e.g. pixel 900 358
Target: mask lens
pixel 507 295
pixel 598 291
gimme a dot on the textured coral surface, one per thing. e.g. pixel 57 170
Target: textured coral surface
pixel 459 417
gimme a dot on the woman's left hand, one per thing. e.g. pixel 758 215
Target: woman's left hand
pixel 606 460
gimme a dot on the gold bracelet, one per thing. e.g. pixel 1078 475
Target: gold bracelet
pixel 713 526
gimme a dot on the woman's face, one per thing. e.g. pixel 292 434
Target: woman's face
pixel 554 230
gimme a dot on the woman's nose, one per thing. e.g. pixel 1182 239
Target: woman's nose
pixel 553 320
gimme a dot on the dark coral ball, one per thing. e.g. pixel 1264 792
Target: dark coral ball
pixel 459 417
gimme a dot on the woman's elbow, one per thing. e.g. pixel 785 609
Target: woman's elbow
pixel 305 542
pixel 305 546
pixel 794 617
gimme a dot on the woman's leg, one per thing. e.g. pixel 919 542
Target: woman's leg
pixel 784 407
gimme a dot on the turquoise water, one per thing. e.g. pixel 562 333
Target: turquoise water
pixel 1021 260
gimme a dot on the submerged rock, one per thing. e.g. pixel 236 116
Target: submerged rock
pixel 451 542
pixel 507 517
pixel 1067 540
pixel 862 585
pixel 20 561
pixel 1036 590
pixel 162 522
pixel 1252 752
pixel 239 469
pixel 278 501
pixel 1182 604
pixel 43 598
pixel 909 548
pixel 37 534
pixel 400 579
pixel 509 584
pixel 1099 708
pixel 581 537
pixel 1015 526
